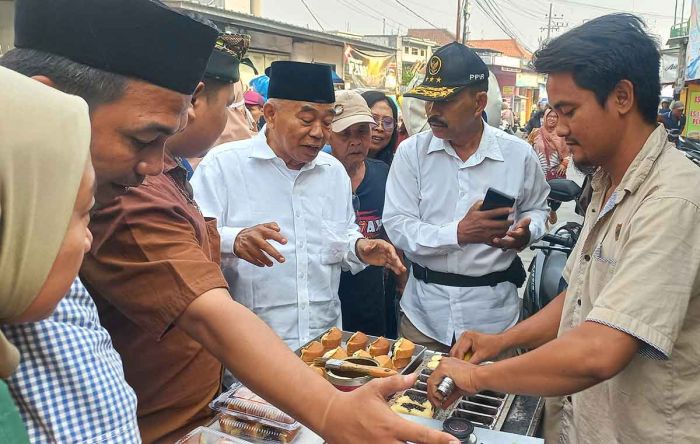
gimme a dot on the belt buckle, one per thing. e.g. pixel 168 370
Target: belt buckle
pixel 425 275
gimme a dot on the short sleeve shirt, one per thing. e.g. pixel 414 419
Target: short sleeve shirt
pixel 154 254
pixel 636 269
pixel 362 294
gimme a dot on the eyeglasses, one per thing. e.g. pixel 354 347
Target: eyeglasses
pixel 388 123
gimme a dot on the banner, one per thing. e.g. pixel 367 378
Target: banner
pixel 669 68
pixel 370 71
pixel 693 51
pixel 692 124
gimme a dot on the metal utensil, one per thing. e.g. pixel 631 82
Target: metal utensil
pixel 337 364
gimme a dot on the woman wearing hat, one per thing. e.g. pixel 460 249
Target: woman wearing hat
pixel 44 228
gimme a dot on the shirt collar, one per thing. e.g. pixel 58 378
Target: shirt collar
pixel 640 167
pixel 261 150
pixel 488 147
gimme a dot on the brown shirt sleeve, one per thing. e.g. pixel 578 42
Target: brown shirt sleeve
pixel 152 255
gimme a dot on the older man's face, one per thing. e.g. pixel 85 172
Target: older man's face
pixel 298 130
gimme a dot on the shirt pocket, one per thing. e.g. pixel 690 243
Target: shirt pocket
pixel 605 253
pixel 334 242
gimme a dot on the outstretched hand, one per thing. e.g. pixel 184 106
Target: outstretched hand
pixel 515 239
pixel 380 253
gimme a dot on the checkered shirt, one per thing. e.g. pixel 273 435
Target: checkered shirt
pixel 70 385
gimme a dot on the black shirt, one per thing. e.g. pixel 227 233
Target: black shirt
pixel 362 295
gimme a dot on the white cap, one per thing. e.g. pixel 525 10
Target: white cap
pixel 350 108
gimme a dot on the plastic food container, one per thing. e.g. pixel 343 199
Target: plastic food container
pixel 243 413
pixel 346 381
pixel 256 432
pixel 203 435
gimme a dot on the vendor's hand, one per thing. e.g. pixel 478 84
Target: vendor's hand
pixel 481 227
pixel 515 239
pixel 363 416
pixel 461 372
pixel 562 168
pixel 252 244
pixel 380 253
pixel 479 347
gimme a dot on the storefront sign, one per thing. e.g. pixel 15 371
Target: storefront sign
pixel 508 91
pixel 527 80
pixel 692 125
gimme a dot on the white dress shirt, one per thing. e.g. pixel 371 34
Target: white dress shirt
pixel 430 189
pixel 243 184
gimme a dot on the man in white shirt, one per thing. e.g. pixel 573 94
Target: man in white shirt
pixel 465 265
pixel 279 187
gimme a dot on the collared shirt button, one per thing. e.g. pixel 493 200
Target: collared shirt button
pixel 298 214
pixel 587 258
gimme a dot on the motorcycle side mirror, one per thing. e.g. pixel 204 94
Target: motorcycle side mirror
pixel 563 190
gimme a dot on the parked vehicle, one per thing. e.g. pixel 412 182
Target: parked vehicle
pixel 545 272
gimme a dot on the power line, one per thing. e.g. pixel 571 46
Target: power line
pixel 524 12
pixel 351 7
pixel 417 15
pixel 606 8
pixel 381 14
pixel 313 15
pixel 506 25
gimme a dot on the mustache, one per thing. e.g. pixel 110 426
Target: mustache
pixel 436 121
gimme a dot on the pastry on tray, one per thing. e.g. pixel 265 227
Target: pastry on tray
pixel 379 347
pixel 416 407
pixel 332 338
pixel 361 354
pixel 434 362
pixel 336 353
pixel 403 349
pixel 312 351
pixel 400 363
pixel 358 341
pixel 384 361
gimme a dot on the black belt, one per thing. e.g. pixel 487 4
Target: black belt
pixel 514 274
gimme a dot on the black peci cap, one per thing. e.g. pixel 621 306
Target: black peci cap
pixel 143 39
pixel 303 82
pixel 451 69
pixel 229 53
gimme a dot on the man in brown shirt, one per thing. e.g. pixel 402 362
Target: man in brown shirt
pixel 153 271
pixel 622 341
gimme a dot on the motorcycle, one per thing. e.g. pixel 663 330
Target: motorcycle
pixel 691 148
pixel 545 280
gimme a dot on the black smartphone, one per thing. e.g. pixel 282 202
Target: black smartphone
pixel 495 199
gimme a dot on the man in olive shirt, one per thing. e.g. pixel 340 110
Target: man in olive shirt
pixel 622 341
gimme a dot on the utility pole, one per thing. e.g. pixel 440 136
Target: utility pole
pixel 554 22
pixel 459 20
pixel 383 26
pixel 467 13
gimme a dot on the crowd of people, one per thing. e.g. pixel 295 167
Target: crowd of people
pixel 162 223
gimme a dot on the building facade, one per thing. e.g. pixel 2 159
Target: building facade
pixel 272 40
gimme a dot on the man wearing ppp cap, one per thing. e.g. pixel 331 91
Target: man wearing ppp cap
pixel 465 265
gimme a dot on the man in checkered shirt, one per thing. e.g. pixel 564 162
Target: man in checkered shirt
pixel 70 385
